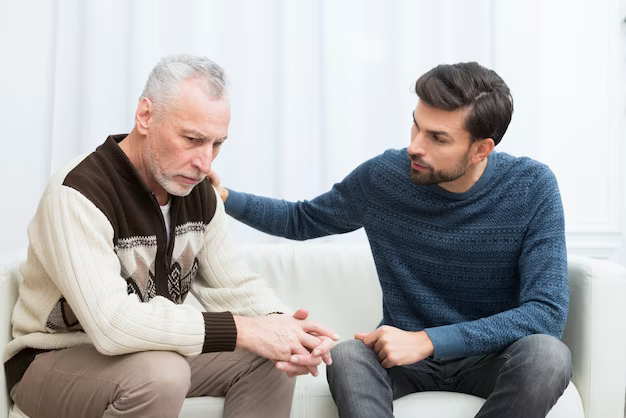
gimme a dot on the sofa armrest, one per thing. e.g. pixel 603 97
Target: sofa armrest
pixel 596 334
pixel 9 283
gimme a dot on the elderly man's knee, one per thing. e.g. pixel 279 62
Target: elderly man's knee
pixel 164 375
pixel 271 375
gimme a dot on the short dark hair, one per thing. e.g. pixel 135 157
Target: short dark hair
pixel 472 86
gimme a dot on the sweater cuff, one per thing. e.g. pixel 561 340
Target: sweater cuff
pixel 448 342
pixel 235 204
pixel 220 332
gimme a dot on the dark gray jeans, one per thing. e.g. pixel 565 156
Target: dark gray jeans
pixel 524 380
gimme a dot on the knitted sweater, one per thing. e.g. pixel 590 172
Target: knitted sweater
pixel 100 270
pixel 476 270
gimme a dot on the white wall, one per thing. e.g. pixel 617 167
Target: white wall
pixel 568 58
pixel 25 112
pixel 318 87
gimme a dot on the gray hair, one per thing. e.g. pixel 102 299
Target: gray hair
pixel 166 77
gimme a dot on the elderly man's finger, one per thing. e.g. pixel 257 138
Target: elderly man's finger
pixel 309 341
pixel 295 369
pixel 302 350
pixel 314 327
pixel 301 314
pixel 324 346
pixel 306 360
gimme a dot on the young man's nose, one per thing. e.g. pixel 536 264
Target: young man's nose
pixel 416 147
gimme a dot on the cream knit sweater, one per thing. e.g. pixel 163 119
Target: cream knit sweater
pixel 72 255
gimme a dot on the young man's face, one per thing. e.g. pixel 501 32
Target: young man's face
pixel 440 149
pixel 185 139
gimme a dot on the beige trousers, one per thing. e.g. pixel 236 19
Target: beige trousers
pixel 81 382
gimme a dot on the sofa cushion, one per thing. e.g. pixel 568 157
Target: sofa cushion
pixel 312 398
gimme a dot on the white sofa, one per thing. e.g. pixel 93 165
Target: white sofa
pixel 338 284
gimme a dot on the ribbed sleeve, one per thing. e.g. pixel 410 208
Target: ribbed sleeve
pixel 220 330
pixel 72 241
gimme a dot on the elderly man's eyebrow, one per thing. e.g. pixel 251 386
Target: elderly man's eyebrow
pixel 199 134
pixel 193 132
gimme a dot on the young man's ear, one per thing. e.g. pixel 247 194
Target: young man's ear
pixel 144 115
pixel 483 148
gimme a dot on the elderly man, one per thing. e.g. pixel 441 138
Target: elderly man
pixel 469 246
pixel 118 241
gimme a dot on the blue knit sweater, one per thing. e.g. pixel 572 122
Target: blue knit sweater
pixel 476 270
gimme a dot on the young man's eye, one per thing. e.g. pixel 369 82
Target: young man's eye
pixel 438 139
pixel 217 144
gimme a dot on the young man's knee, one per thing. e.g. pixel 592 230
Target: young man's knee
pixel 352 360
pixel 544 355
pixel 349 351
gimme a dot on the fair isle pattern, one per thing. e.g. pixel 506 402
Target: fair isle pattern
pixel 476 270
pixel 137 257
pixel 62 318
pixel 133 242
pixel 190 227
pixel 189 239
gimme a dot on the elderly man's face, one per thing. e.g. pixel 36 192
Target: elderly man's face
pixel 186 139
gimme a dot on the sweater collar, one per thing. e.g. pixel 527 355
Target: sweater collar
pixel 113 153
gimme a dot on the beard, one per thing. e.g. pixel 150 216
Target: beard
pixel 430 176
pixel 168 181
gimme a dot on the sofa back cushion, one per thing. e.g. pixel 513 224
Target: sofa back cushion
pixel 337 283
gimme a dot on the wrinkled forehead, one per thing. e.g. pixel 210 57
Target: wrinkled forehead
pixel 192 106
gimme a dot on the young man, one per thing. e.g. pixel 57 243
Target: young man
pixel 470 250
pixel 118 241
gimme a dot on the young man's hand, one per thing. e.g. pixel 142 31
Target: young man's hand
pixel 396 347
pixel 215 181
